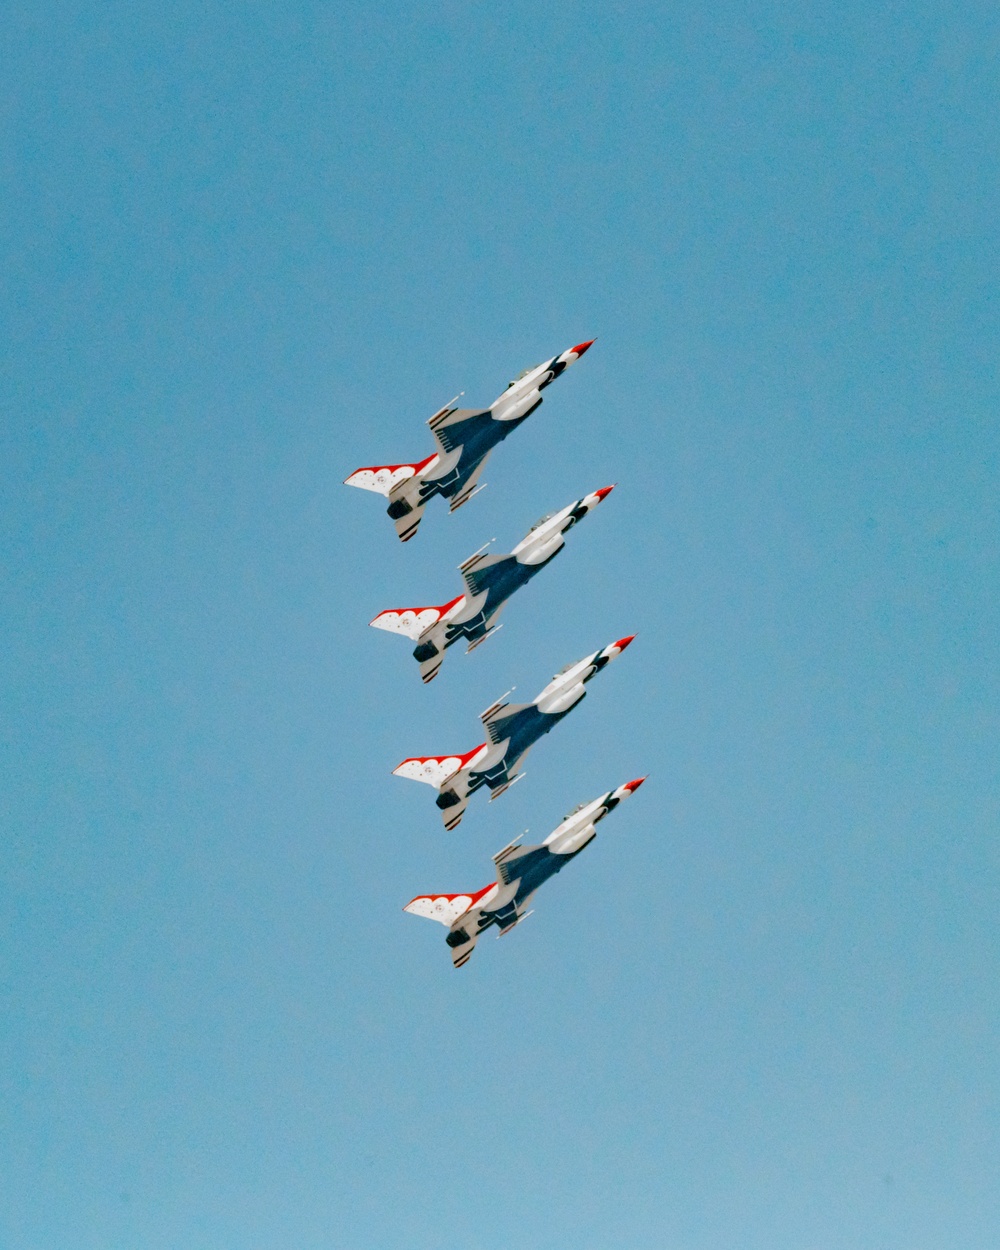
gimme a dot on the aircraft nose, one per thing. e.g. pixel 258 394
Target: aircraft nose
pixel 582 347
pixel 605 491
pixel 622 643
pixel 632 786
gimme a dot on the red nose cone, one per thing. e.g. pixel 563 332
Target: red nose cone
pixel 632 786
pixel 622 643
pixel 605 491
pixel 582 347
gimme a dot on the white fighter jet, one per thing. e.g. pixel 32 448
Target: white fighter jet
pixel 520 871
pixel 512 730
pixel 490 580
pixel 464 438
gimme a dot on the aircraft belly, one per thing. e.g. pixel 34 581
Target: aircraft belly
pixel 535 870
pixel 479 436
pixel 475 627
pixel 528 726
pixel 478 441
pixel 506 580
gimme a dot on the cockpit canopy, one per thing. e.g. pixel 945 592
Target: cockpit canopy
pixel 579 808
pixel 523 374
pixel 541 521
pixel 565 669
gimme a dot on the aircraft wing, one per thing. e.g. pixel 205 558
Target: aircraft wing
pixel 451 427
pixel 483 571
pixel 510 861
pixel 499 719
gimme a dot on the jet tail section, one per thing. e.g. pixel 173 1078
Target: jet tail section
pixel 430 665
pixel 461 954
pixel 401 485
pixel 448 774
pixel 452 804
pixel 427 627
pixel 449 910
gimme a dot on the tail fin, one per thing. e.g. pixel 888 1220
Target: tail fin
pixel 449 909
pixel 449 775
pixel 426 627
pixel 384 478
pixel 435 770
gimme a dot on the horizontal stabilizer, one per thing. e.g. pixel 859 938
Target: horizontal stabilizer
pixel 406 525
pixel 453 807
pixel 431 666
pixel 415 622
pixel 460 955
pixel 384 478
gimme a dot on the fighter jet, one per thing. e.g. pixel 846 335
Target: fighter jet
pixel 520 871
pixel 489 583
pixel 464 438
pixel 512 730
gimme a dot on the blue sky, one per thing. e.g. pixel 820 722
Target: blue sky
pixel 246 252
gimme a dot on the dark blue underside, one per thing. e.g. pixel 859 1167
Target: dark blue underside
pixel 478 436
pixel 499 581
pixel 523 729
pixel 533 869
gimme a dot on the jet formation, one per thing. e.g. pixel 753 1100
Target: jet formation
pixel 464 438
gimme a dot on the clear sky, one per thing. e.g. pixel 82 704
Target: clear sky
pixel 245 250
